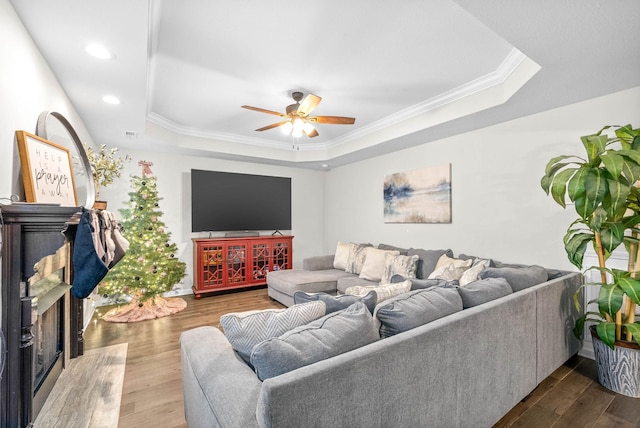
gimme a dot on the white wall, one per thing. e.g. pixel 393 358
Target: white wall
pixel 499 208
pixel 27 87
pixel 174 185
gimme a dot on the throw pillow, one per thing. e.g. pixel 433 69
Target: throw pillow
pixel 244 330
pixel 334 334
pixel 472 273
pixel 357 255
pixel 428 260
pixel 383 292
pixel 342 255
pixel 483 290
pixel 449 268
pixel 374 264
pixel 336 303
pixel 415 308
pixel 399 265
pixel 518 278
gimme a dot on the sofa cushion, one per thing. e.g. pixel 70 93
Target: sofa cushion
pixel 334 334
pixel 341 256
pixel 399 265
pixel 244 330
pixel 336 303
pixel 402 251
pixel 427 260
pixel 419 284
pixel 357 255
pixel 374 263
pixel 491 262
pixel 483 290
pixel 383 292
pixel 518 278
pixel 289 281
pixel 415 308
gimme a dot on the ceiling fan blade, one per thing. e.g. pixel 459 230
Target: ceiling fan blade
pixel 308 104
pixel 312 133
pixel 273 125
pixel 264 111
pixel 336 120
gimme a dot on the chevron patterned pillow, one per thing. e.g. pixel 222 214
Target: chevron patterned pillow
pixel 244 330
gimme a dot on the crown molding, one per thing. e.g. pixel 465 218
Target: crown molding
pixel 490 80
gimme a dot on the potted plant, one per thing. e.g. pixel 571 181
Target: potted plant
pixel 106 167
pixel 603 187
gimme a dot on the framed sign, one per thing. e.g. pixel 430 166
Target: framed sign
pixel 46 171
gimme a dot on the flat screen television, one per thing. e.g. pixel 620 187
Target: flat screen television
pixel 226 201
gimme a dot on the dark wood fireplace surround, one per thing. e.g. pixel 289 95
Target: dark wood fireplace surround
pixel 31 233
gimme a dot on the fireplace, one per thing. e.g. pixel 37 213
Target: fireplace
pixel 41 321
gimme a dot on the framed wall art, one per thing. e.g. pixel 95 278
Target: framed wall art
pixel 418 196
pixel 47 171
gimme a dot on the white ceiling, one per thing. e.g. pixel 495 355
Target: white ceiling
pixel 409 71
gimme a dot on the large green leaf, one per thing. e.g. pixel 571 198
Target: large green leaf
pixel 635 143
pixel 631 288
pixel 596 188
pixel 607 333
pixel 597 219
pixel 594 145
pixel 616 199
pixel 631 171
pixel 611 235
pixel 631 155
pixel 559 185
pixel 610 299
pixel 613 163
pixel 627 134
pixel 576 186
pixel 575 244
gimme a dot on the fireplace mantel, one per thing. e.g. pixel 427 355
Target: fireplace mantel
pixel 31 233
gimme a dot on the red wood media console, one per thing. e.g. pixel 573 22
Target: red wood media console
pixel 230 263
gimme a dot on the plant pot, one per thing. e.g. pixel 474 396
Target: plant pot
pixel 619 368
pixel 100 205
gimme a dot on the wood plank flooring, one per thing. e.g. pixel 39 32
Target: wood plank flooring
pixel 152 392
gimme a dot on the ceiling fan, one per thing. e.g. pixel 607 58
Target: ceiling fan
pixel 297 116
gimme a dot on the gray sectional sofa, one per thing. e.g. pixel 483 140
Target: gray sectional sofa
pixel 467 369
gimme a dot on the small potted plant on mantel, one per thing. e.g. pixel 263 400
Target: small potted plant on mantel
pixel 106 167
pixel 604 188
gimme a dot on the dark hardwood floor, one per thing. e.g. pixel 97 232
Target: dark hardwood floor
pixel 152 392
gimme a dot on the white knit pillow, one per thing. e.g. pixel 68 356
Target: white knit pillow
pixel 342 255
pixel 383 292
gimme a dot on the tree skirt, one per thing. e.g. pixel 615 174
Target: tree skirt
pixel 157 307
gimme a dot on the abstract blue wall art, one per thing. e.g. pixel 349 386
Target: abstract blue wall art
pixel 418 196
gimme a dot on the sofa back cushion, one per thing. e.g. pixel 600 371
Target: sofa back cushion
pixel 244 330
pixel 518 277
pixel 336 303
pixel 415 308
pixel 326 337
pixel 483 290
pixel 427 260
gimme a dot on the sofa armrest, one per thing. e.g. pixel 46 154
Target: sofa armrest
pixel 318 262
pixel 220 389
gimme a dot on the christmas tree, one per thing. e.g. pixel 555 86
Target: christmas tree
pixel 150 267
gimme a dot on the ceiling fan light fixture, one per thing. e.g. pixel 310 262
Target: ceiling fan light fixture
pixel 308 128
pixel 287 128
pixel 99 51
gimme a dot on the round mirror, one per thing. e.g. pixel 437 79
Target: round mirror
pixel 54 127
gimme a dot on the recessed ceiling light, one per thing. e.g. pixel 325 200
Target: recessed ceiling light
pixel 110 99
pixel 325 165
pixel 99 51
